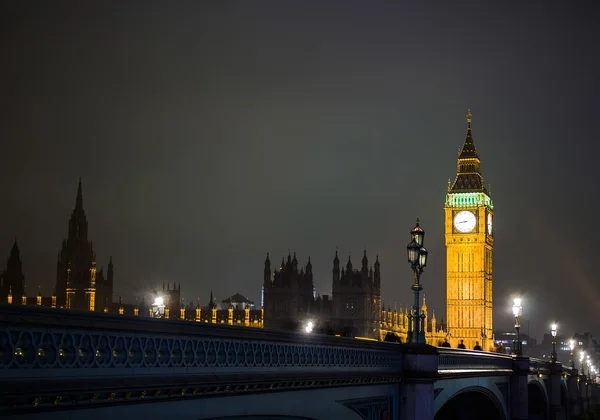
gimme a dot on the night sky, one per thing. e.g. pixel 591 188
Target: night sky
pixel 210 133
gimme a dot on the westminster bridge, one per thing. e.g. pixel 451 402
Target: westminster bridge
pixel 58 364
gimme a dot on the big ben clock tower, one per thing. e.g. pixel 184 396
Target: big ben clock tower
pixel 469 245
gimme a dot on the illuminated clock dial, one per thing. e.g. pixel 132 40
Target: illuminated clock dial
pixel 465 221
pixel 489 224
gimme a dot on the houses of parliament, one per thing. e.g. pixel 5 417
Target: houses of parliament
pixel 355 308
pixel 78 284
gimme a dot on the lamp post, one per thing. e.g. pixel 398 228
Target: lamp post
pixel 517 309
pixel 572 347
pixel 581 357
pixel 553 329
pixel 417 257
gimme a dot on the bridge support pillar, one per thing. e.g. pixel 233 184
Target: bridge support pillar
pixel 518 389
pixel 572 386
pixel 420 370
pixel 554 391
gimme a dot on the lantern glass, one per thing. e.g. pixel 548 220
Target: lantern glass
pixel 413 252
pixel 554 330
pixel 422 257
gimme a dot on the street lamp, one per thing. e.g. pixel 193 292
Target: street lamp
pixel 553 329
pixel 572 347
pixel 581 357
pixel 417 257
pixel 517 309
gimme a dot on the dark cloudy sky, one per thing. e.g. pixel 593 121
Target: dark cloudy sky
pixel 210 133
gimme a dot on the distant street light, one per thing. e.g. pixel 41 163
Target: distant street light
pixel 581 357
pixel 158 307
pixel 417 257
pixel 517 309
pixel 554 331
pixel 308 328
pixel 572 347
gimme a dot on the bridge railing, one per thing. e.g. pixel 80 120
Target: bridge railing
pixel 461 362
pixel 46 351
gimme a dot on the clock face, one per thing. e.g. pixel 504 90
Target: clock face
pixel 489 224
pixel 464 221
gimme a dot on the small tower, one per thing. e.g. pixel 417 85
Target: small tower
pixel 167 312
pixel 38 300
pixel 247 316
pixel 198 311
pixel 121 308
pixel 230 314
pixel 424 313
pixel 212 305
pixel 53 304
pixel 336 267
pixel 182 310
pixel 24 297
pixel 9 297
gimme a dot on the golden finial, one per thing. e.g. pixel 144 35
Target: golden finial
pixel 469 116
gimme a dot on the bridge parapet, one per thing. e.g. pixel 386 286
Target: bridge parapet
pixel 460 362
pixel 87 358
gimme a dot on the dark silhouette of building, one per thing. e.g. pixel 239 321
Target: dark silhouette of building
pixel 357 298
pixel 12 280
pixel 172 297
pixel 76 284
pixel 288 293
pixel 238 302
pixel 354 309
pixel 104 287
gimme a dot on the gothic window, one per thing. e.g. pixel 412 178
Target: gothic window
pixel 350 307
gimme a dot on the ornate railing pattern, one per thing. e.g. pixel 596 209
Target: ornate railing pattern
pixel 203 348
pixel 454 362
pixel 102 358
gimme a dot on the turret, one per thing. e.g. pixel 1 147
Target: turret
pixel 309 267
pixel 267 271
pixel 111 272
pixel 377 273
pixel 336 268
pixel 424 312
pixel 295 263
pixel 349 265
pixel 365 263
pixel 198 311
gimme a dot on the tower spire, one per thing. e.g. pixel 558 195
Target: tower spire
pixel 468 175
pixel 79 200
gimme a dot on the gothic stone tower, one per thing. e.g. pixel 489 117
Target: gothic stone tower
pixel 357 298
pixel 469 245
pixel 12 279
pixel 76 267
pixel 288 294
